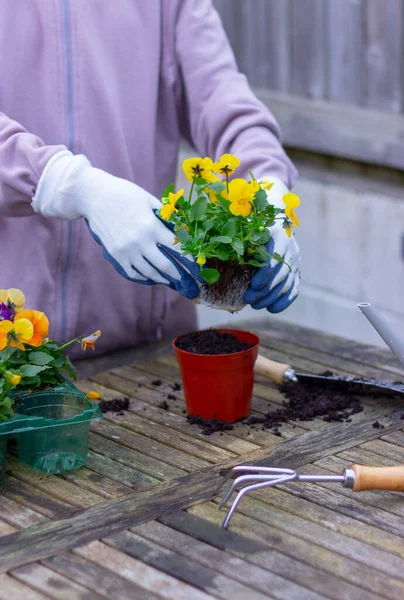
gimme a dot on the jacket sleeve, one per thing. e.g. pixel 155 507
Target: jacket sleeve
pixel 220 113
pixel 23 157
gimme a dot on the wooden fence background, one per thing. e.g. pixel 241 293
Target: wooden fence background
pixel 331 70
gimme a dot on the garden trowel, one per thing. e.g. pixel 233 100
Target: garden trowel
pixel 281 373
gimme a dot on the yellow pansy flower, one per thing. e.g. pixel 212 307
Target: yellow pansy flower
pixel 241 197
pixel 12 378
pixel 169 205
pixel 291 201
pixel 201 260
pixel 199 167
pixel 266 184
pixel 212 196
pixel 13 295
pixel 227 164
pixel 16 334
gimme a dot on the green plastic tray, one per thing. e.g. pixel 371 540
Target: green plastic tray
pixel 50 429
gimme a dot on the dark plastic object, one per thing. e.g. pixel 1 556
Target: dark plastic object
pixel 219 386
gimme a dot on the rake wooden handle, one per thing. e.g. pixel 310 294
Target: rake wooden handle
pixel 378 478
pixel 270 369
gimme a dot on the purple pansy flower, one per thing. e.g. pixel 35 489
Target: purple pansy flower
pixel 6 312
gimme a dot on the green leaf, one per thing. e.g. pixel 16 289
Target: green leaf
pixel 231 228
pixel 169 188
pixel 59 361
pixel 183 235
pixel 40 358
pixel 279 258
pixel 210 275
pixel 198 208
pixel 261 237
pixel 200 181
pixel 32 370
pixel 221 254
pixel 224 239
pixel 31 382
pixel 217 186
pixel 238 246
pixel 224 203
pixel 208 224
pixel 256 263
pixel 260 200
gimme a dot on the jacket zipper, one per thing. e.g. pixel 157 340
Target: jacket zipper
pixel 70 135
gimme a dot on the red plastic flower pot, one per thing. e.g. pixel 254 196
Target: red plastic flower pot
pixel 219 385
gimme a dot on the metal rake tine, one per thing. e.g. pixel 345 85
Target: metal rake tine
pixel 246 478
pixel 252 469
pixel 250 488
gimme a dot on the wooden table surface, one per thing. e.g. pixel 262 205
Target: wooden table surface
pixel 140 520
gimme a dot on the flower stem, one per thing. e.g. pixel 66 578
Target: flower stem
pixel 192 189
pixel 77 339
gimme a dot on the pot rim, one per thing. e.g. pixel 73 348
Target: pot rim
pixel 221 330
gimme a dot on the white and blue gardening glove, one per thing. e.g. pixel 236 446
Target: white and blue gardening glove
pixel 275 286
pixel 121 218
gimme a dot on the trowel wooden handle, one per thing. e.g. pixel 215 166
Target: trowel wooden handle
pixel 378 478
pixel 270 369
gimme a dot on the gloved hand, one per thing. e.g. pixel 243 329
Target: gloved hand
pixel 274 286
pixel 121 218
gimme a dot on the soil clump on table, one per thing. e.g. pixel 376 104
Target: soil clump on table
pixel 116 405
pixel 304 403
pixel 211 341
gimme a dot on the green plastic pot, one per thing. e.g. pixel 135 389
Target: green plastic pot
pixel 50 429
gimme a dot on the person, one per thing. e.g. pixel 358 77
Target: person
pixel 95 97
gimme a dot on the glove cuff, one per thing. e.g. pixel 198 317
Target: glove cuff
pixel 58 192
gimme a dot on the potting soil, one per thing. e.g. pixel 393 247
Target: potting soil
pixel 116 405
pixel 211 341
pixel 304 403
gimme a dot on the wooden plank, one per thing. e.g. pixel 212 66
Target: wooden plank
pixel 323 508
pixel 97 577
pixel 386 501
pixel 235 440
pixel 327 349
pixel 35 499
pixel 323 535
pixel 396 438
pixel 211 557
pixel 276 44
pixel 367 507
pixel 118 472
pixel 18 515
pixel 97 483
pixel 161 433
pixel 159 451
pixel 384 54
pixel 150 503
pixel 143 575
pixel 263 556
pixel 307 39
pixel 52 584
pixel 129 457
pixel 383 448
pixel 350 132
pixel 182 568
pixel 54 486
pixel 342 569
pixel 11 589
pixel 344 50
